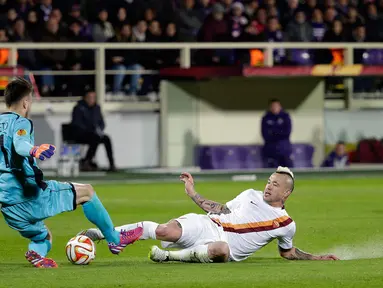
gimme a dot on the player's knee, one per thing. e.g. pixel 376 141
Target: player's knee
pixel 162 231
pixel 85 193
pixel 219 252
pixel 49 236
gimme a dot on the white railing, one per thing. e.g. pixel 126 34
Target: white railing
pixel 185 54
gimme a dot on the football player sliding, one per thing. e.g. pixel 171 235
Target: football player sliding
pixel 26 200
pixel 229 232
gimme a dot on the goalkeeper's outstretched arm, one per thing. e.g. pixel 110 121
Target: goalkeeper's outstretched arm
pixel 297 254
pixel 205 204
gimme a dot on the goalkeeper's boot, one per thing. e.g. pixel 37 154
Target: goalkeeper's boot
pixel 38 261
pixel 93 233
pixel 126 238
pixel 158 255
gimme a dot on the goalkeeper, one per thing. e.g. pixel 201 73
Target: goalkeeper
pixel 26 199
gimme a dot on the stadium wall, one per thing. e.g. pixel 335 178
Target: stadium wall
pixel 229 111
pixel 134 138
pixel 351 126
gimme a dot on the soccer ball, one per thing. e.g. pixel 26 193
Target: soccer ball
pixel 80 250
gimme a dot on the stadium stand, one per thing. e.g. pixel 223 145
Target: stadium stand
pixel 182 21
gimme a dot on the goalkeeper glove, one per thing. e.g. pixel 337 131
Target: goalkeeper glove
pixel 43 151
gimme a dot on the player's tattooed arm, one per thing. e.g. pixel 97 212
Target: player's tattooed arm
pixel 205 204
pixel 209 206
pixel 297 254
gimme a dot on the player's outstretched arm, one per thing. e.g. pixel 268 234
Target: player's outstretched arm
pixel 297 254
pixel 205 204
pixel 24 145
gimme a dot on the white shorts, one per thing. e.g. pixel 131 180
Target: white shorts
pixel 197 230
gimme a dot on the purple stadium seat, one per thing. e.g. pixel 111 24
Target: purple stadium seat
pixel 302 155
pixel 373 57
pixel 301 57
pixel 203 157
pixel 219 157
pixel 246 156
pixel 251 156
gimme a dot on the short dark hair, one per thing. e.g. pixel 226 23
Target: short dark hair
pixel 274 100
pixel 16 90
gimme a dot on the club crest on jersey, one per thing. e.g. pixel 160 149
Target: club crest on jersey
pixel 21 132
pixel 276 224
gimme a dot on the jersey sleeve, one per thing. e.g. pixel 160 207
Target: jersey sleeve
pixel 236 202
pixel 22 140
pixel 286 241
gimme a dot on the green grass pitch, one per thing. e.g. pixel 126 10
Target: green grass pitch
pixel 342 215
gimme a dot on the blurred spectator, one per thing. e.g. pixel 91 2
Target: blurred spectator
pixel 276 130
pixel 139 31
pixel 124 60
pixel 11 18
pixel 275 34
pixel 352 21
pixel 88 124
pixel 336 35
pixel 75 15
pixel 53 59
pixel 102 29
pixel 289 12
pixel 330 15
pixel 338 158
pixel 238 21
pixel 255 30
pixel 189 21
pixel 150 15
pixel 273 12
pixel 26 58
pixel 227 5
pixel 154 33
pixel 215 28
pixel 56 14
pixel 77 59
pixel 299 30
pixel 121 19
pixel 342 6
pixel 3 38
pixel 329 4
pixel 22 7
pixel 204 9
pixel 153 57
pixel 309 7
pixel 170 57
pixel 44 10
pixel 32 25
pixel 374 24
pixel 268 4
pixel 251 8
pixel 318 26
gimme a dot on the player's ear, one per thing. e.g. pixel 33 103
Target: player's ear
pixel 25 102
pixel 287 192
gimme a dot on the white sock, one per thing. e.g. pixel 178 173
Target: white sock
pixel 149 229
pixel 198 254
